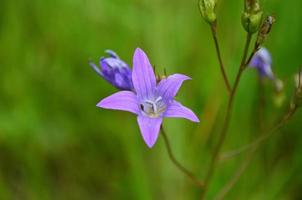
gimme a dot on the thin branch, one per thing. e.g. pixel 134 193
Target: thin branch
pixel 300 78
pixel 262 138
pixel 177 164
pixel 260 120
pixel 248 159
pixel 261 103
pixel 251 56
pixel 223 192
pixel 227 119
pixel 252 149
pixel 233 153
pixel 222 68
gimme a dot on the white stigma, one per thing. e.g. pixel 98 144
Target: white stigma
pixel 153 108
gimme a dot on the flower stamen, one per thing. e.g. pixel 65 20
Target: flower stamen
pixel 153 108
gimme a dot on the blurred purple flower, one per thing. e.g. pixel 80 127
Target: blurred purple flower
pixel 151 102
pixel 262 61
pixel 115 71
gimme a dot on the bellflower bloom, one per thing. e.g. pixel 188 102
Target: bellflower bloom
pixel 262 61
pixel 151 102
pixel 115 71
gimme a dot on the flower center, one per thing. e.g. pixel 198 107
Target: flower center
pixel 153 109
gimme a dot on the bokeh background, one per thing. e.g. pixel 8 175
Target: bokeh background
pixel 56 144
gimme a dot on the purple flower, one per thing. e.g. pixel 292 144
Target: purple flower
pixel 115 71
pixel 151 102
pixel 262 61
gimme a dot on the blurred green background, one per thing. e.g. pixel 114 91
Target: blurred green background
pixel 56 144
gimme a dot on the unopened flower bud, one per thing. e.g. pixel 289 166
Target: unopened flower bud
pixel 115 71
pixel 252 16
pixel 264 30
pixel 207 10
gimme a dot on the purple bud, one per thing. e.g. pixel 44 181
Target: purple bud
pixel 115 71
pixel 262 61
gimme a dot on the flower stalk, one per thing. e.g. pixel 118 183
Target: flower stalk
pixel 294 105
pixel 260 121
pixel 252 148
pixel 222 68
pixel 227 119
pixel 207 10
pixel 184 170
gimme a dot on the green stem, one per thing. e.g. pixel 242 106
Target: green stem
pixel 260 121
pixel 261 105
pixel 260 139
pixel 177 164
pixel 222 68
pixel 251 55
pixel 252 149
pixel 221 195
pixel 227 119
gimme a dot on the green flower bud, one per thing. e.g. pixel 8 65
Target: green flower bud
pixel 207 10
pixel 252 16
pixel 251 22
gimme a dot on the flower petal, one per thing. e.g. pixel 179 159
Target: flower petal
pixel 175 109
pixel 143 77
pixel 112 54
pixel 168 88
pixel 149 128
pixel 267 71
pixel 262 61
pixel 96 68
pixel 261 57
pixel 124 100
